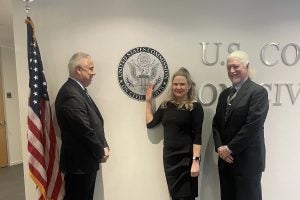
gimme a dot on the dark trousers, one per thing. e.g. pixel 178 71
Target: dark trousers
pixel 80 186
pixel 239 187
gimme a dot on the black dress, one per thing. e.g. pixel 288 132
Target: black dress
pixel 182 129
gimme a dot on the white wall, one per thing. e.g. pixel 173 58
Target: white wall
pixel 108 29
pixel 11 105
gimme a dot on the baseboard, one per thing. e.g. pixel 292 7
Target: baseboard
pixel 16 163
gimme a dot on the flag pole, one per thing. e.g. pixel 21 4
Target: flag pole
pixel 43 157
pixel 27 7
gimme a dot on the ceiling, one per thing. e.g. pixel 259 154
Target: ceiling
pixel 6 24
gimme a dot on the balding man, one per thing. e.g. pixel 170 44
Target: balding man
pixel 83 142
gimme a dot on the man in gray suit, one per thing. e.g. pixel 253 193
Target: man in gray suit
pixel 83 142
pixel 238 130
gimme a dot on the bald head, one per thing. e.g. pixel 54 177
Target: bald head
pixel 81 68
pixel 77 60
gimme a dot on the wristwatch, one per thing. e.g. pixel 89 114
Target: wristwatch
pixel 196 158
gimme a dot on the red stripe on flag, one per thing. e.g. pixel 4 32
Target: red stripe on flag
pixel 57 186
pixel 36 154
pixel 38 176
pixel 33 128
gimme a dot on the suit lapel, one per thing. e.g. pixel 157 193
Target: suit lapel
pixel 86 97
pixel 240 94
pixel 92 103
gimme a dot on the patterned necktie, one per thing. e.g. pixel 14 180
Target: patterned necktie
pixel 230 97
pixel 87 94
pixel 92 103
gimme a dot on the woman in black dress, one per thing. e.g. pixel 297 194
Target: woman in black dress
pixel 181 116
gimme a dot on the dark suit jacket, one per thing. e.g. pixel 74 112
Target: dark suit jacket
pixel 243 131
pixel 82 132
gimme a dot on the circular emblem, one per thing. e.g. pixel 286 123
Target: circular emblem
pixel 139 67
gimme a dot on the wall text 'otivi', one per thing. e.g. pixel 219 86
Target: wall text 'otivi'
pixel 275 91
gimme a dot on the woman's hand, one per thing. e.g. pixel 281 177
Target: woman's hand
pixel 149 92
pixel 149 95
pixel 195 169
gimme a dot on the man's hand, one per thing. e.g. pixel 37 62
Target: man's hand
pixel 106 155
pixel 225 153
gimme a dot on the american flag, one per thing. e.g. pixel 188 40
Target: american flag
pixel 42 147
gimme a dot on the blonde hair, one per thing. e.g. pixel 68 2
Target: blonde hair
pixel 191 95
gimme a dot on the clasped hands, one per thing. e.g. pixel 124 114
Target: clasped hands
pixel 225 153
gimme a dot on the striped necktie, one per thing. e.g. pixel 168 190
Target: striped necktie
pixel 87 94
pixel 230 97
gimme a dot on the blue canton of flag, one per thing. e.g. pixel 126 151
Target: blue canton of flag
pixel 37 81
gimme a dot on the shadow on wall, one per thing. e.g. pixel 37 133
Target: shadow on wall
pixel 209 183
pixel 99 189
pixel 156 134
pixel 210 177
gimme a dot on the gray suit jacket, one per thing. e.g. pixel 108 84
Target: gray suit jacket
pixel 243 131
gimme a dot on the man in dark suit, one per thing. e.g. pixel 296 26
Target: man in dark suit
pixel 84 145
pixel 238 130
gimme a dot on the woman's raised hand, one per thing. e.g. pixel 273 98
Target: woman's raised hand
pixel 149 92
